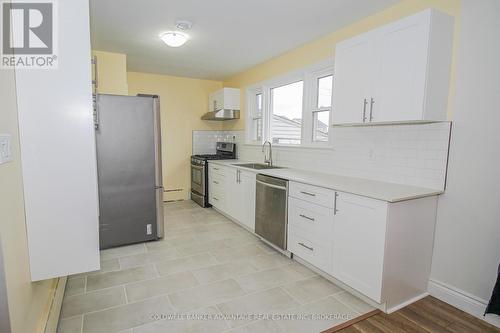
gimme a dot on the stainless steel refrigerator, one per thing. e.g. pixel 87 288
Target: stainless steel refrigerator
pixel 129 169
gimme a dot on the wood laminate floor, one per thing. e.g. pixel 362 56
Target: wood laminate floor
pixel 428 315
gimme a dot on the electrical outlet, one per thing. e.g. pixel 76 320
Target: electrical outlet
pixel 5 150
pixel 149 229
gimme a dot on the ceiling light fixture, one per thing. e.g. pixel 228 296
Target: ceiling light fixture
pixel 177 38
pixel 174 38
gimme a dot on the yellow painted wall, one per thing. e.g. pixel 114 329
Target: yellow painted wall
pixel 182 101
pixel 28 302
pixel 323 48
pixel 112 72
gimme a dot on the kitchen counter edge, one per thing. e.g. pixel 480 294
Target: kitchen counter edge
pixel 385 191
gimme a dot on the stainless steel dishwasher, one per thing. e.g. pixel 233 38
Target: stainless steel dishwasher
pixel 271 216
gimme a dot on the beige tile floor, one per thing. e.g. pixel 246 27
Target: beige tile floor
pixel 208 272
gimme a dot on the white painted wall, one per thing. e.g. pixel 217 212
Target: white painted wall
pixel 467 241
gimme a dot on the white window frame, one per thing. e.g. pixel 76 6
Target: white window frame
pixel 312 105
pixel 251 95
pixel 280 82
pixel 309 75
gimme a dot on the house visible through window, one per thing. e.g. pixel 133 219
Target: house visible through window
pixel 322 110
pixel 286 113
pixel 257 118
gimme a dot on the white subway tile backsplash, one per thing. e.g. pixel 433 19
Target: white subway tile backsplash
pixel 204 142
pixel 407 154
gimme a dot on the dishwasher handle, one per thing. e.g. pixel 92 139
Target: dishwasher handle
pixel 271 185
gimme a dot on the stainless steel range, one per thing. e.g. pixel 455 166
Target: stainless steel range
pixel 199 171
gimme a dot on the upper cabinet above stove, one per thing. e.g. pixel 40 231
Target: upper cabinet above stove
pixel 223 104
pixel 396 73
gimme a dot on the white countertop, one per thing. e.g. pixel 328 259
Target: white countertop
pixel 374 189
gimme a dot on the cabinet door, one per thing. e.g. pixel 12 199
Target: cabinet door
pixel 352 79
pixel 231 190
pixel 58 154
pixel 211 102
pixel 358 243
pixel 246 195
pixel 218 101
pixel 231 98
pixel 401 50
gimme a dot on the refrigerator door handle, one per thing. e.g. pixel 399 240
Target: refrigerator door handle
pixel 158 168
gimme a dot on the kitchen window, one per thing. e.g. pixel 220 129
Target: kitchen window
pixel 256 114
pixel 322 88
pixel 286 113
pixel 292 110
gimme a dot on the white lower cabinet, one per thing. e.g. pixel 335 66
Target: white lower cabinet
pixel 380 249
pixel 246 199
pixel 232 191
pixel 310 227
pixel 358 243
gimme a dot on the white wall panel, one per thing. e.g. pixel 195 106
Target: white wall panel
pixel 58 153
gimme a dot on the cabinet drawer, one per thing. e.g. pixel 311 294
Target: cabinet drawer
pixel 216 195
pixel 216 186
pixel 317 195
pixel 215 179
pixel 215 168
pixel 317 253
pixel 315 220
pixel 217 200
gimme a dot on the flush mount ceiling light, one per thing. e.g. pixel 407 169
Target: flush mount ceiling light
pixel 174 38
pixel 177 38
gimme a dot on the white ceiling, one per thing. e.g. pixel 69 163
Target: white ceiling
pixel 227 37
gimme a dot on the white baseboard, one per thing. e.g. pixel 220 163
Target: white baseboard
pixel 406 303
pixel 55 307
pixel 462 300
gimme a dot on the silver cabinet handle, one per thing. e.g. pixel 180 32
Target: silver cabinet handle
pixel 307 247
pixel 215 182
pixel 216 168
pixel 365 102
pixel 307 217
pixel 308 193
pixel 95 83
pixel 238 176
pixel 215 199
pixel 198 167
pixel 372 101
pixel 335 210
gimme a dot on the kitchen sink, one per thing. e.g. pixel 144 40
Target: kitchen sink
pixel 256 166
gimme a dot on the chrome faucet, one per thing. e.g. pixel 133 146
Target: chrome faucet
pixel 268 161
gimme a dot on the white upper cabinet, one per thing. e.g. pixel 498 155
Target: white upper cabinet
pixel 58 153
pixel 224 99
pixel 397 73
pixel 352 79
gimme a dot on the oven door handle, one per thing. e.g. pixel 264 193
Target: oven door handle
pixel 200 167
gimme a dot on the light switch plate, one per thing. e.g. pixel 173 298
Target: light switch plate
pixel 5 149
